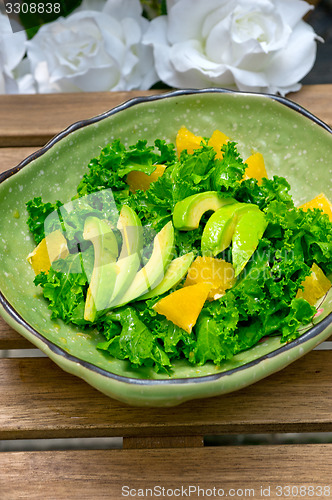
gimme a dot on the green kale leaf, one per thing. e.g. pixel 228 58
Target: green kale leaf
pixel 228 171
pixel 38 212
pixel 110 168
pixel 65 287
pixel 135 341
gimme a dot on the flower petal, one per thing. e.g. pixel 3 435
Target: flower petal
pixel 186 22
pixel 293 11
pixel 123 8
pixel 289 66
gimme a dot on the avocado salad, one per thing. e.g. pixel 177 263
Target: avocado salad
pixel 181 251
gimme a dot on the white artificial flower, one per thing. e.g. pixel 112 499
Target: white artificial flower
pixel 12 51
pixel 26 83
pixel 93 51
pixel 257 45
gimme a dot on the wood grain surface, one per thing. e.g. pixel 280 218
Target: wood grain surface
pixel 10 339
pixel 38 400
pixel 242 472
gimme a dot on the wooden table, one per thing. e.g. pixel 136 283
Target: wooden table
pixel 162 448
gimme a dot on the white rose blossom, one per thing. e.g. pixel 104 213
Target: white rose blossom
pixel 12 51
pixel 261 45
pixel 93 51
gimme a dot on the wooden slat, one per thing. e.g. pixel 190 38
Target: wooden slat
pixel 27 120
pixel 39 400
pixel 242 472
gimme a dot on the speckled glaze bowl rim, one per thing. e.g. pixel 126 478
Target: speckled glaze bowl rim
pixel 10 310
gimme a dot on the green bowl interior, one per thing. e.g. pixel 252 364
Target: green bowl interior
pixel 293 146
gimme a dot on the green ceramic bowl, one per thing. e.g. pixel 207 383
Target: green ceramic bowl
pixel 294 143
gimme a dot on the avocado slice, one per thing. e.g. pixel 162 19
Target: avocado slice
pixel 129 259
pixel 131 229
pixel 248 231
pixel 104 272
pixel 188 212
pixel 220 227
pixel 174 273
pixel 125 270
pixel 153 272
